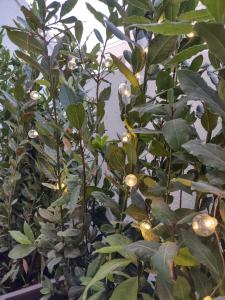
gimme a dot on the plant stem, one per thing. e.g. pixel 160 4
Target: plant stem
pixel 169 175
pixel 83 177
pixel 124 207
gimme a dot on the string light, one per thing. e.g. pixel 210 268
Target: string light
pixel 33 134
pixel 191 34
pixel 72 63
pixel 204 225
pixel 34 95
pixel 139 77
pixel 146 50
pixel 207 298
pixel 131 180
pixel 126 137
pixel 108 62
pixel 124 90
pixel 63 187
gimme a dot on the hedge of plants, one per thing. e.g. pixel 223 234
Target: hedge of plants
pixel 91 217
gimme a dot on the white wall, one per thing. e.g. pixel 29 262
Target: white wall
pixel 9 10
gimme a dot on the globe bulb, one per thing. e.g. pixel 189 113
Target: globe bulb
pixel 124 90
pixel 34 95
pixel 72 63
pixel 131 180
pixel 108 62
pixel 145 225
pixel 139 77
pixel 145 50
pixel 63 187
pixel 33 134
pixel 191 34
pixel 204 225
pixel 207 298
pixel 126 137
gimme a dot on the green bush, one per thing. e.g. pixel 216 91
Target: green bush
pixel 106 218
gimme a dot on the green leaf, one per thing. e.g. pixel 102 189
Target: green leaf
pixel 76 115
pixel 138 59
pixel 120 240
pixel 202 253
pixel 104 271
pixel 98 15
pixel 162 260
pixel 107 202
pixel 128 289
pixel 196 89
pixel 33 63
pixel 157 148
pixel 98 36
pixel 207 188
pixel 167 28
pixel 209 120
pixel 214 35
pixel 116 157
pixel 118 33
pixel 136 20
pixel 67 6
pixel 185 258
pixel 161 48
pixel 195 16
pixel 143 4
pixel 125 71
pixel 172 9
pixel 136 212
pixel 146 296
pixel 24 40
pixel 216 8
pixel 20 251
pixel 109 249
pixel 186 54
pixel 69 20
pixel 144 250
pixel 181 289
pixel 20 237
pixel 149 108
pixel 177 132
pixel 209 154
pixel 67 96
pixel 222 210
pixel 162 212
pixel 28 232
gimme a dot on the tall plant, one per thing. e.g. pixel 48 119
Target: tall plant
pixel 116 236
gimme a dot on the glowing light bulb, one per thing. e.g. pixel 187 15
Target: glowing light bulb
pixel 207 298
pixel 191 34
pixel 124 90
pixel 131 180
pixel 108 62
pixel 146 50
pixel 145 225
pixel 126 137
pixel 139 77
pixel 72 63
pixel 34 95
pixel 204 225
pixel 63 187
pixel 33 134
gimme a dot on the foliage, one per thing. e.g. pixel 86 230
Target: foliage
pixel 64 215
